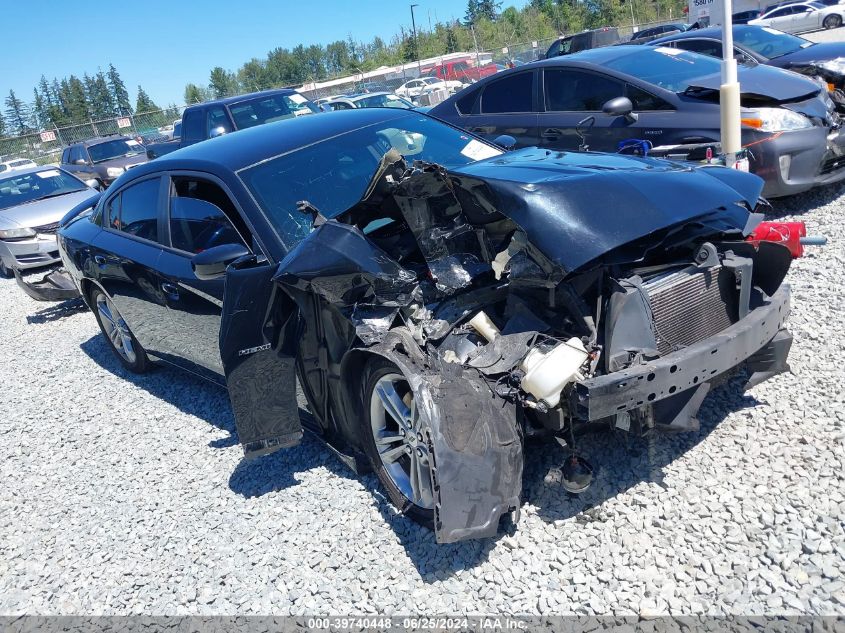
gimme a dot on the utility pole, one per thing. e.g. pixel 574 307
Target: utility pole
pixel 729 91
pixel 416 41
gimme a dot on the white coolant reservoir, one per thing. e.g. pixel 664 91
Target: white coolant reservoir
pixel 547 373
pixel 482 324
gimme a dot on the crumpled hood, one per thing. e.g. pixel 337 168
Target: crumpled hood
pixel 42 212
pixel 765 81
pixel 576 207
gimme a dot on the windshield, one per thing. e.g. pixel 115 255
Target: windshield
pixel 118 148
pixel 768 42
pixel 333 174
pixel 384 101
pixel 32 186
pixel 670 68
pixel 261 110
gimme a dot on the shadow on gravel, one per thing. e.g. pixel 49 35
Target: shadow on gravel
pixel 805 202
pixel 56 311
pixel 622 461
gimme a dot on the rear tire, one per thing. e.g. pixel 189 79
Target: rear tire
pixel 832 22
pixel 119 337
pixel 394 441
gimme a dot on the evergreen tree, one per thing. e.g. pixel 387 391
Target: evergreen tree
pixel 2 126
pixel 195 94
pixel 40 113
pixel 222 83
pixel 77 104
pixel 144 103
pixel 100 99
pixel 119 94
pixel 17 115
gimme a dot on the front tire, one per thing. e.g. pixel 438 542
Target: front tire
pixel 5 272
pixel 119 337
pixel 832 22
pixel 395 441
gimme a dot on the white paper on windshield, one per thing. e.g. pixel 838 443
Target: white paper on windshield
pixel 769 29
pixel 297 98
pixel 132 142
pixel 669 51
pixel 49 173
pixel 477 150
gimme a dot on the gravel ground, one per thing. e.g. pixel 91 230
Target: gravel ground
pixel 128 495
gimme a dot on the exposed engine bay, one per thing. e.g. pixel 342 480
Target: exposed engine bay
pixel 506 328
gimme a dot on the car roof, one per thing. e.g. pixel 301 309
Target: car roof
pixel 249 95
pixel 28 170
pixel 88 142
pixel 713 32
pixel 599 56
pixel 246 147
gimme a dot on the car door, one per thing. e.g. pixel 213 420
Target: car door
pixel 782 19
pixel 201 214
pixel 572 95
pixel 505 105
pixel 126 254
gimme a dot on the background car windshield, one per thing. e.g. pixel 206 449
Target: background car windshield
pixel 669 68
pixel 333 174
pixel 261 110
pixel 384 101
pixel 117 148
pixel 29 187
pixel 769 42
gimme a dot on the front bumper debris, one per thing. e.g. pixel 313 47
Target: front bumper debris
pixel 643 385
pixel 56 285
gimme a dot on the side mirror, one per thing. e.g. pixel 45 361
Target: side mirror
pixel 212 264
pixel 218 131
pixel 620 106
pixel 505 141
pixel 325 107
pixel 93 183
pixel 80 161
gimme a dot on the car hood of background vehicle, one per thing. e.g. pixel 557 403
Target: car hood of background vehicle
pixel 43 212
pixel 576 207
pixel 765 81
pixel 124 161
pixel 817 53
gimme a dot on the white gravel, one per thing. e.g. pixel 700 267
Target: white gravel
pixel 125 496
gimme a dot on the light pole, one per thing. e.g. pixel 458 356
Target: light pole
pixel 729 91
pixel 416 41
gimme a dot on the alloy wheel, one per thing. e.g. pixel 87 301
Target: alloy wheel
pixel 399 438
pixel 116 329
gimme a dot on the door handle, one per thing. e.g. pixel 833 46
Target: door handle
pixel 171 290
pixel 99 259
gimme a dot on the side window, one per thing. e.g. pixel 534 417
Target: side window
pixel 77 154
pixel 466 102
pixel 576 91
pixel 341 105
pixel 112 213
pixel 192 126
pixel 202 215
pixel 138 212
pixel 643 100
pixel 216 117
pixel 554 50
pixel 705 47
pixel 66 155
pixel 509 94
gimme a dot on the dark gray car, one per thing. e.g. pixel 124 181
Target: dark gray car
pixel 103 159
pixel 672 98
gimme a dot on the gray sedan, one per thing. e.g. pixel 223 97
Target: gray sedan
pixel 32 201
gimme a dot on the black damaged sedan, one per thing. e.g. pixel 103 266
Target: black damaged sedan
pixel 439 300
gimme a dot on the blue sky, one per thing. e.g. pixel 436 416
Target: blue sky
pixel 162 44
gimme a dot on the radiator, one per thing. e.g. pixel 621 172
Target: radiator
pixel 690 305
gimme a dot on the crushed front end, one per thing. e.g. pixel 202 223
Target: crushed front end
pixel 536 294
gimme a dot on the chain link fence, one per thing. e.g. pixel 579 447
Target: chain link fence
pixel 46 146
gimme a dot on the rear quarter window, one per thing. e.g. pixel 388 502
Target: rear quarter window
pixel 512 94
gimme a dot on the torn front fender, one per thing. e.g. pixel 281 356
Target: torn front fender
pixel 474 439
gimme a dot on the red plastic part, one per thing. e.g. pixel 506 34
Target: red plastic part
pixel 787 233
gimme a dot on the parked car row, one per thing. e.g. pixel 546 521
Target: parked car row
pixel 443 285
